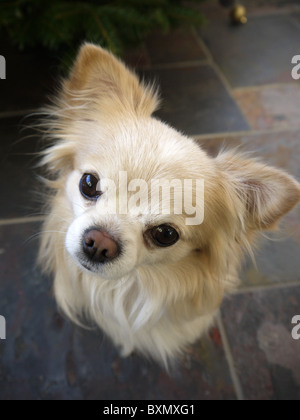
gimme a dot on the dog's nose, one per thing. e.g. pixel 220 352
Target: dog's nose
pixel 99 246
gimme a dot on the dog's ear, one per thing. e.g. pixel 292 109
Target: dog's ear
pixel 100 79
pixel 267 193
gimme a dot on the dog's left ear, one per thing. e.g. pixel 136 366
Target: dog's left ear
pixel 267 193
pixel 99 78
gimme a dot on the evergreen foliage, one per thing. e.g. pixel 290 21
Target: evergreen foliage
pixel 114 24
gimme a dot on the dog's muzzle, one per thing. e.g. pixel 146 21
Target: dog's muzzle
pixel 99 246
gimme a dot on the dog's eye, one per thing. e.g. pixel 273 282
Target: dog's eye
pixel 88 187
pixel 164 235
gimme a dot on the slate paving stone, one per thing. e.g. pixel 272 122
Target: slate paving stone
pixel 277 262
pixel 280 149
pixel 266 356
pixel 257 53
pixel 46 357
pixel 137 58
pixel 257 4
pixel 19 187
pixel 271 107
pixel 30 79
pixel 213 10
pixel 195 101
pixel 176 46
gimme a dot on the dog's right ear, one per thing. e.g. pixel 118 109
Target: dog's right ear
pixel 98 79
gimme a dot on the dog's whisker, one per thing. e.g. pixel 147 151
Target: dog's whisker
pixel 40 234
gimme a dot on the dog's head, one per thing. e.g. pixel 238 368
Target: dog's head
pixel 134 194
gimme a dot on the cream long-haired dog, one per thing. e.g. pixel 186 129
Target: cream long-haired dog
pixel 151 279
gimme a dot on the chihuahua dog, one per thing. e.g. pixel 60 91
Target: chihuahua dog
pixel 144 270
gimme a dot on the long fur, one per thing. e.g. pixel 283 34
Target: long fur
pixel 154 301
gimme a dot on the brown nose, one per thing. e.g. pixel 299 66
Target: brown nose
pixel 99 246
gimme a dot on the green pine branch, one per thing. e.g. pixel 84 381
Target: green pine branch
pixel 114 24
